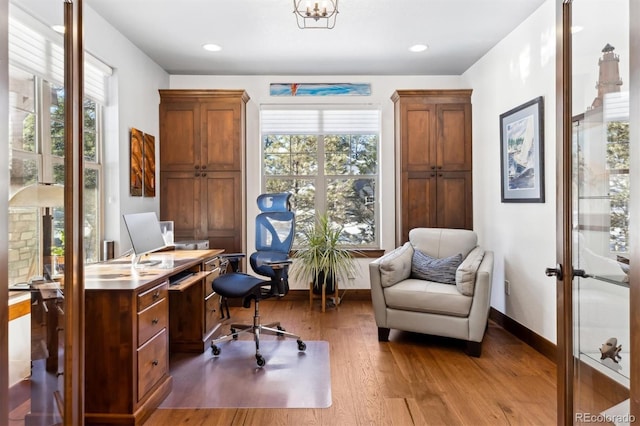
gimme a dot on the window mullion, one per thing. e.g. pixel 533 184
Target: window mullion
pixel 321 179
pixel 43 105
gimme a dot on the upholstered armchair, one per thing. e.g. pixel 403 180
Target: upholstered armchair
pixel 438 283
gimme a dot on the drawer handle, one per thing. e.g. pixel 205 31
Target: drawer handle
pixel 154 362
pixel 155 321
pixel 156 295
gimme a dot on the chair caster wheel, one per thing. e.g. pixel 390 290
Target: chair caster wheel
pixel 235 335
pixel 281 329
pixel 301 345
pixel 215 350
pixel 260 360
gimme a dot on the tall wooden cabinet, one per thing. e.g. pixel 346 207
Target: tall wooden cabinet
pixel 433 166
pixel 202 160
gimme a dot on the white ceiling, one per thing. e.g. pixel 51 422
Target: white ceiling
pixel 260 37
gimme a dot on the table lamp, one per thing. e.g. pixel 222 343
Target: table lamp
pixel 41 195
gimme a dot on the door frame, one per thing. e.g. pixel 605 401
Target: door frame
pixel 564 248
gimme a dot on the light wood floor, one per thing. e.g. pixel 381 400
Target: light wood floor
pixel 411 380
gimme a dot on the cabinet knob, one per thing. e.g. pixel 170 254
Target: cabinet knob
pixel 433 167
pixel 439 167
pixel 204 174
pixel 433 175
pixel 154 362
pixel 204 167
pixel 196 174
pixel 156 294
pixel 197 167
pixel 440 175
pixel 154 321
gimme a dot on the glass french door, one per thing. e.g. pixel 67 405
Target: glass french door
pixel 50 391
pixel 597 213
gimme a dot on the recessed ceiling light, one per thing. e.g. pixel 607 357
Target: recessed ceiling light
pixel 58 28
pixel 418 48
pixel 211 47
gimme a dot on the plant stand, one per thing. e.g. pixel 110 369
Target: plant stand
pixel 323 296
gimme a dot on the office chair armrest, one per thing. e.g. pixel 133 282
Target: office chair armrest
pixel 232 256
pixel 279 266
pixel 233 259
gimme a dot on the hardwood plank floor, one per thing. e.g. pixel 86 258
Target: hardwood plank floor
pixel 411 380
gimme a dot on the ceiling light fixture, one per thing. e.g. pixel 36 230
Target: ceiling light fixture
pixel 418 48
pixel 211 47
pixel 316 14
pixel 58 28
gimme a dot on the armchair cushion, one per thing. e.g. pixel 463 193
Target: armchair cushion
pixel 437 270
pixel 396 265
pixel 466 273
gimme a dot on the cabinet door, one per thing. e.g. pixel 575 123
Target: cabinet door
pixel 180 202
pixel 454 200
pixel 419 202
pixel 418 133
pixel 221 134
pixel 223 210
pixel 454 137
pixel 179 136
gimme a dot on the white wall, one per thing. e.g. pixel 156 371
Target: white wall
pixel 382 87
pixel 133 102
pixel 518 69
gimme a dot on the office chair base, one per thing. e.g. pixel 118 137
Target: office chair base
pixel 274 329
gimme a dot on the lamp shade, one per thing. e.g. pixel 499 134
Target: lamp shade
pixel 38 195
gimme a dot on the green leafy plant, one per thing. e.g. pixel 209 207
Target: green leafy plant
pixel 59 250
pixel 320 258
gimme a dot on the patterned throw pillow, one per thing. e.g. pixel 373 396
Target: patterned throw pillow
pixel 428 268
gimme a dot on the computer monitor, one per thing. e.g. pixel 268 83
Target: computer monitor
pixel 145 235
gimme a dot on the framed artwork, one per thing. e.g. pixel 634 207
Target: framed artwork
pixel 143 164
pixel 136 177
pixel 522 153
pixel 320 89
pixel 149 165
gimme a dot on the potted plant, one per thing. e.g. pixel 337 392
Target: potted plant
pixel 320 259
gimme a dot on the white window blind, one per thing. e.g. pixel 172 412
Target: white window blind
pixel 33 51
pixel 314 121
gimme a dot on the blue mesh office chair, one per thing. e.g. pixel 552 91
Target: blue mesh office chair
pixel 275 230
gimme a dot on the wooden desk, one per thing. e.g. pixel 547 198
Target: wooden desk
pixel 132 318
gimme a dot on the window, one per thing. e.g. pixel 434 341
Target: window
pixel 618 166
pixel 328 159
pixel 36 138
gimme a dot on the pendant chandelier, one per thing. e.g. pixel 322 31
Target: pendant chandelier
pixel 315 14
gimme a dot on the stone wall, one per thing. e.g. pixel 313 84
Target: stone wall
pixel 23 245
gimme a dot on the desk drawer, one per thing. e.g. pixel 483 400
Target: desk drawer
pixel 209 279
pixel 152 320
pixel 151 296
pixel 211 311
pixel 153 363
pixel 213 266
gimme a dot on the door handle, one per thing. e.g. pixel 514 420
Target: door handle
pixel 580 273
pixel 554 272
